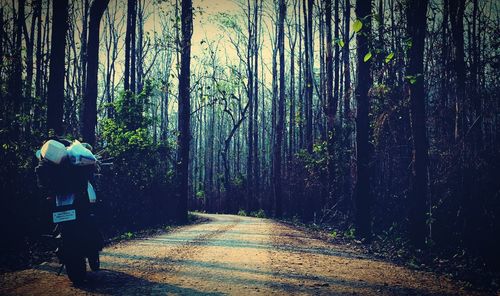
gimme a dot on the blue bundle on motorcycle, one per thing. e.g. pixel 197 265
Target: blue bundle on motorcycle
pixel 79 155
pixel 67 173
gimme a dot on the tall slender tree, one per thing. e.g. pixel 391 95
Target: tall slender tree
pixel 277 182
pixel 83 49
pixel 90 97
pixel 331 98
pixel 129 44
pixel 457 9
pixel 308 72
pixel 38 51
pixel 417 10
pixel 55 95
pixel 2 106
pixel 251 51
pixel 184 136
pixel 347 134
pixel 15 79
pixel 363 83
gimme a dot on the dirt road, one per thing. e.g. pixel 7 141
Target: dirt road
pixel 237 256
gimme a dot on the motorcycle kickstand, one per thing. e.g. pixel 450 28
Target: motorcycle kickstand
pixel 60 270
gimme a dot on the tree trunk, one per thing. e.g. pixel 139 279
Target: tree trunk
pixel 83 50
pixel 475 62
pixel 364 81
pixel 15 80
pixel 308 71
pixel 331 93
pixel 131 4
pixel 30 45
pixel 277 190
pixel 256 162
pixel 55 92
pixel 133 44
pixel 90 97
pixel 292 121
pixel 38 52
pixel 3 105
pixel 457 8
pixel 347 102
pixel 416 30
pixel 250 88
pixel 184 110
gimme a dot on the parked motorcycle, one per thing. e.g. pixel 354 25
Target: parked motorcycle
pixel 63 174
pixel 77 235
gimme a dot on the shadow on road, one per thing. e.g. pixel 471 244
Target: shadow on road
pixel 111 282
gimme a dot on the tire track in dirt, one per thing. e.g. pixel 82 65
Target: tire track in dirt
pixel 189 248
pixel 233 255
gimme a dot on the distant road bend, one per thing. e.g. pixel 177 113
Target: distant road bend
pixel 233 255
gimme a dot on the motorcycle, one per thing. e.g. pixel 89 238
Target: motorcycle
pixel 77 235
pixel 63 172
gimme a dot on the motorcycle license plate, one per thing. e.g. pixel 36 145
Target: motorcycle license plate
pixel 63 216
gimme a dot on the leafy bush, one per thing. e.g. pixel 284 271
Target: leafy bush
pixel 138 188
pixel 258 214
pixel 350 233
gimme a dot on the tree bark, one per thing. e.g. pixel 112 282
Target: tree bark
pixel 83 50
pixel 331 94
pixel 308 69
pixel 90 97
pixel 15 80
pixel 347 102
pixel 416 17
pixel 277 182
pixel 250 95
pixel 30 45
pixel 55 92
pixel 129 40
pixel 457 8
pixel 133 45
pixel 363 198
pixel 256 163
pixel 184 137
pixel 3 105
pixel 38 51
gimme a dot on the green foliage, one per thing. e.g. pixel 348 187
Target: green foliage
pixel 314 165
pixel 367 57
pixel 200 194
pixel 228 21
pixel 357 26
pixel 141 180
pixel 350 233
pixel 242 212
pixel 238 181
pixel 258 214
pixel 408 43
pixel 389 57
pixel 127 235
pixel 412 79
pixel 333 234
pixel 379 90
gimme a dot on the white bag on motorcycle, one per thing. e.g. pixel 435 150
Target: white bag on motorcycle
pixel 91 193
pixel 79 155
pixel 53 151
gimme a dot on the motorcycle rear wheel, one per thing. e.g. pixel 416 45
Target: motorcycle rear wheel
pixel 76 269
pixel 94 261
